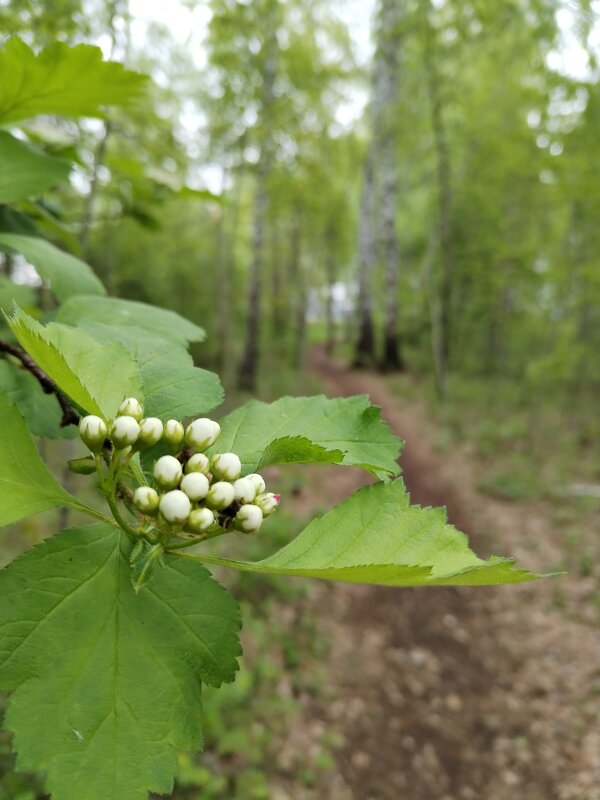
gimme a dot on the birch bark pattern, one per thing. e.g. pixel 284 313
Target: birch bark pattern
pixel 377 237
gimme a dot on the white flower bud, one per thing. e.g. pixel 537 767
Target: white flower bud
pixel 145 499
pixel 195 485
pixel 174 432
pixel 151 431
pixel 197 463
pixel 258 481
pixel 201 433
pixel 124 431
pixel 245 490
pixel 226 466
pixel 131 408
pixel 93 432
pixel 168 472
pixel 220 495
pixel 249 519
pixel 267 502
pixel 175 507
pixel 200 520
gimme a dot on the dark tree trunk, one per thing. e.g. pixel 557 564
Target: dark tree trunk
pixel 445 204
pixel 330 276
pixel 248 367
pixel 364 353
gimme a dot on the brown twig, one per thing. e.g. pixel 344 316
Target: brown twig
pixel 69 415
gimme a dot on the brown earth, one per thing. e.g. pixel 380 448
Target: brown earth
pixel 452 693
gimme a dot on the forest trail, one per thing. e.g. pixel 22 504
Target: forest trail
pixel 452 693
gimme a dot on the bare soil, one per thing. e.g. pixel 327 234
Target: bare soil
pixel 453 693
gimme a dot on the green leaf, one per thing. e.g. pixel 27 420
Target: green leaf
pixel 298 450
pixel 11 292
pixel 95 376
pixel 351 425
pixel 107 683
pixel 25 172
pixel 66 274
pixel 164 324
pixel 376 537
pixel 27 486
pixel 73 81
pixel 173 386
pixel 42 412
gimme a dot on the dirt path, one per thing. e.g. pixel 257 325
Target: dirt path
pixel 445 694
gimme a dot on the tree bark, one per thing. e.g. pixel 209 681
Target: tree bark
pixel 248 366
pixel 445 204
pixel 364 352
pixel 388 89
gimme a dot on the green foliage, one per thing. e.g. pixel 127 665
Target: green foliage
pixel 377 537
pixel 66 274
pixel 40 410
pixel 126 313
pixel 27 485
pixel 106 683
pixel 95 376
pixel 349 428
pixel 25 172
pixel 73 81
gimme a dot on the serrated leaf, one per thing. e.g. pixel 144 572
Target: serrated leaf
pixel 26 485
pixel 73 81
pixel 106 682
pixel 349 424
pixel 376 536
pixel 25 172
pixel 164 324
pixel 66 274
pixel 95 376
pixel 173 386
pixel 298 450
pixel 41 411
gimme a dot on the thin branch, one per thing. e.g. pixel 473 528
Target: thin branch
pixel 69 415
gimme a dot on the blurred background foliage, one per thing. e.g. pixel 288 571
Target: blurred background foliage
pixel 413 186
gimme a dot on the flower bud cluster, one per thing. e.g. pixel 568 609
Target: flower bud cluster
pixel 190 491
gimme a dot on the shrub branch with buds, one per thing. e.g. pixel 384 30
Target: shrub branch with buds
pixel 189 497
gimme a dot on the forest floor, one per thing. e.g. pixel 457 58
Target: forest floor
pixel 452 693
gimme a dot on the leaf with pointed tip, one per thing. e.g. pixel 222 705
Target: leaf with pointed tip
pixel 26 485
pixel 41 411
pixel 66 274
pixel 96 376
pixel 347 424
pixel 159 322
pixel 298 450
pixel 376 536
pixel 25 172
pixel 106 682
pixel 73 81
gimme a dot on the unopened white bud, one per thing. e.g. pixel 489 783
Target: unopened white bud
pixel 124 431
pixel 93 432
pixel 131 408
pixel 174 432
pixel 175 507
pixel 226 466
pixel 202 433
pixel 245 490
pixel 151 431
pixel 195 485
pixel 258 481
pixel 197 463
pixel 267 502
pixel 168 472
pixel 145 499
pixel 200 520
pixel 249 519
pixel 220 495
